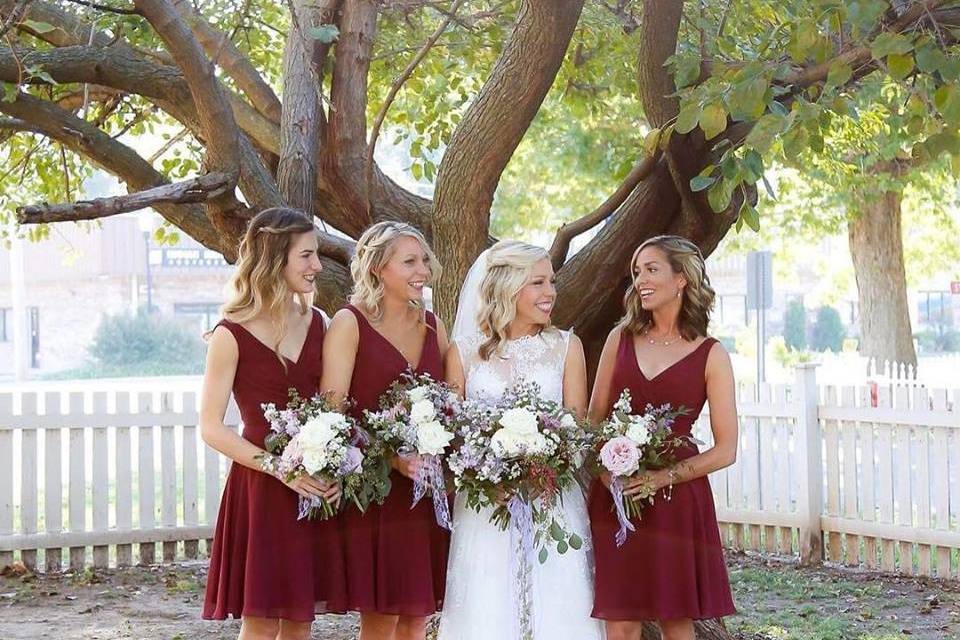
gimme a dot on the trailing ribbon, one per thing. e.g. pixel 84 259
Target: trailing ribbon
pixel 429 476
pixel 617 492
pixel 521 562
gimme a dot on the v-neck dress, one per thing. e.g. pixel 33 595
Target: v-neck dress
pixel 396 557
pixel 265 563
pixel 672 566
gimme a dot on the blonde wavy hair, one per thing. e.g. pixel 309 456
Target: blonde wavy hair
pixel 258 284
pixel 509 265
pixel 374 249
pixel 697 299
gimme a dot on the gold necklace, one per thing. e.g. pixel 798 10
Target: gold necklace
pixel 662 343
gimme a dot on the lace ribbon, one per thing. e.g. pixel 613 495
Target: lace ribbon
pixel 521 563
pixel 429 477
pixel 617 492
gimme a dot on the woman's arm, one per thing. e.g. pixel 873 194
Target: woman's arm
pixel 721 394
pixel 339 355
pixel 600 401
pixel 453 368
pixel 575 377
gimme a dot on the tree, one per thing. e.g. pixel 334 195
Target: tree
pixel 739 77
pixel 828 331
pixel 795 326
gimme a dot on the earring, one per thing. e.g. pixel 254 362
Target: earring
pixel 679 292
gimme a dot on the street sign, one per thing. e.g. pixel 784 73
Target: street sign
pixel 759 280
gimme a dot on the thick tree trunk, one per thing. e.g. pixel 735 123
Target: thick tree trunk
pixel 876 245
pixel 486 138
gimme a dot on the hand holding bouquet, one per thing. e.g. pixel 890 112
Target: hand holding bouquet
pixel 310 437
pixel 629 443
pixel 419 416
pixel 517 456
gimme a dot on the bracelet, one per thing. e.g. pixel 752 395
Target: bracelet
pixel 672 476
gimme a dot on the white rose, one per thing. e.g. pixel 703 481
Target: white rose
pixel 314 459
pixel 320 430
pixel 639 431
pixel 568 421
pixel 505 443
pixel 520 422
pixel 422 411
pixel 418 393
pixel 432 438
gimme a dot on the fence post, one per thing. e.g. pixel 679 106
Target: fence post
pixel 809 453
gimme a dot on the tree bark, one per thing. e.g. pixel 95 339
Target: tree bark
pixel 300 122
pixel 486 138
pixel 876 245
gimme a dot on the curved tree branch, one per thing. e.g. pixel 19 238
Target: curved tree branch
pixel 226 55
pixel 451 14
pixel 570 230
pixel 213 110
pixel 487 136
pixel 658 41
pixel 344 146
pixel 83 138
pixel 194 190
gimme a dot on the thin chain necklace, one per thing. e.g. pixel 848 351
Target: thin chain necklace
pixel 662 343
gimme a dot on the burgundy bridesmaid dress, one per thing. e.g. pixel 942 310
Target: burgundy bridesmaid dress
pixel 265 563
pixel 672 566
pixel 396 557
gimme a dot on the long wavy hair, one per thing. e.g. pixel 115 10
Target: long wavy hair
pixel 258 284
pixel 374 249
pixel 509 265
pixel 698 296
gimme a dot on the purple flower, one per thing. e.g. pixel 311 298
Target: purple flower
pixel 351 461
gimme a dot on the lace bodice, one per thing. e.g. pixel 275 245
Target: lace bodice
pixel 539 358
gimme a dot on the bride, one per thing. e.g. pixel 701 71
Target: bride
pixel 502 335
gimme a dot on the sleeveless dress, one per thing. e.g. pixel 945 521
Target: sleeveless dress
pixel 396 557
pixel 672 566
pixel 265 563
pixel 479 604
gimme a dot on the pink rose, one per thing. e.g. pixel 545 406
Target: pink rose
pixel 620 456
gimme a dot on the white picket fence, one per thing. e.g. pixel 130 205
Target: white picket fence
pixel 821 472
pixel 877 476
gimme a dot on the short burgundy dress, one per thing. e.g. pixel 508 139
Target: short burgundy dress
pixel 396 557
pixel 265 563
pixel 672 566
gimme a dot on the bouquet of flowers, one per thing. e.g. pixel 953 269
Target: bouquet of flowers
pixel 517 456
pixel 419 415
pixel 629 443
pixel 311 437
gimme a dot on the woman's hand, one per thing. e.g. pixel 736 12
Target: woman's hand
pixel 643 485
pixel 311 488
pixel 407 464
pixel 606 478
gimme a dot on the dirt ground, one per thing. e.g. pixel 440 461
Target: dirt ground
pixel 776 601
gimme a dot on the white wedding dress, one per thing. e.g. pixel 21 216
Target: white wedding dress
pixel 479 601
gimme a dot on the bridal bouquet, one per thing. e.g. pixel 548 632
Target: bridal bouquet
pixel 310 437
pixel 517 456
pixel 419 415
pixel 629 443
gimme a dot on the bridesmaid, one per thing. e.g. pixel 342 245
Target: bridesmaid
pixel 268 568
pixel 671 569
pixel 396 557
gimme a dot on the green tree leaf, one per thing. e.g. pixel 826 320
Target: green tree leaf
pixel 900 65
pixel 325 33
pixel 699 183
pixel 713 120
pixel 887 43
pixel 839 74
pixel 687 118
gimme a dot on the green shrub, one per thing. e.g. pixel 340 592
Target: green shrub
pixel 795 326
pixel 828 331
